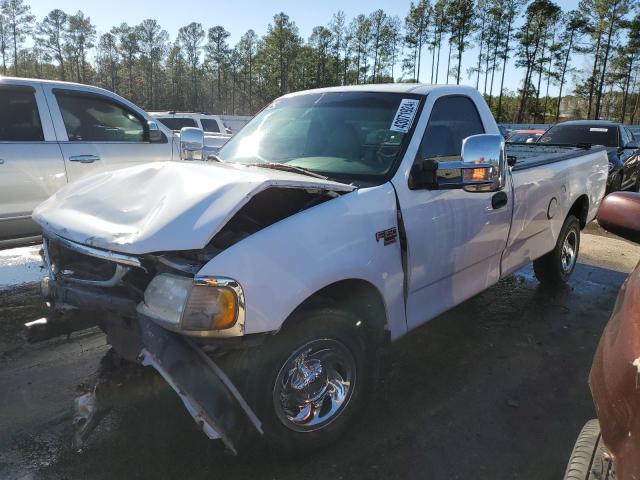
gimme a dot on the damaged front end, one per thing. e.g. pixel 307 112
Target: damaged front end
pixel 156 313
pixel 124 250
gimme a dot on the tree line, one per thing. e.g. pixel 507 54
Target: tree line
pixel 199 70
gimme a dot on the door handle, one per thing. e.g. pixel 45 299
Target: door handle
pixel 84 158
pixel 1 161
pixel 499 200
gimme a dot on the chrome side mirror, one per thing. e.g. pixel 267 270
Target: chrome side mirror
pixel 485 163
pixel 482 167
pixel 155 135
pixel 191 143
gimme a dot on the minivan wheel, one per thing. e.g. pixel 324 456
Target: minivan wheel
pixel 556 267
pixel 588 461
pixel 306 382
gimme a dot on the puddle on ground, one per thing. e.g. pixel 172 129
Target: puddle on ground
pixel 19 266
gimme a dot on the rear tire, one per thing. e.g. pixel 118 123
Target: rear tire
pixel 556 267
pixel 587 461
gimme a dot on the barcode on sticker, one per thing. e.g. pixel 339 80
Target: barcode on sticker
pixel 594 129
pixel 404 116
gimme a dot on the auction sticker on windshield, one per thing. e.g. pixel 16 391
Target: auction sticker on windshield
pixel 404 116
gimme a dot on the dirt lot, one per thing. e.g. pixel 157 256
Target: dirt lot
pixel 494 389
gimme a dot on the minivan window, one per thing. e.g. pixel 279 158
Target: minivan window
pixel 209 125
pixel 19 118
pixel 452 120
pixel 93 119
pixel 606 135
pixel 177 124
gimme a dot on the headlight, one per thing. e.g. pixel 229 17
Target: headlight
pixel 203 306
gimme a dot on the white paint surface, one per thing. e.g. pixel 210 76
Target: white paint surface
pixel 165 206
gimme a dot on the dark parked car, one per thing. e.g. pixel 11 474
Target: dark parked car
pixel 622 148
pixel 609 448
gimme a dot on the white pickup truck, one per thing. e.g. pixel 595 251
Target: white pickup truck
pixel 216 134
pixel 53 133
pixel 261 287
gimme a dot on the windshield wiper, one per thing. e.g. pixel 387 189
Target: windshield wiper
pixel 287 168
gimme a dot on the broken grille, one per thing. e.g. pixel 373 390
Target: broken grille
pixel 85 265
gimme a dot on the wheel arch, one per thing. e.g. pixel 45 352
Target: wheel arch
pixel 357 296
pixel 580 210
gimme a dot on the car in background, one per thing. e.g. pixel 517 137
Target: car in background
pixel 54 133
pixel 176 121
pixel 525 136
pixel 622 148
pixel 609 448
pixel 216 133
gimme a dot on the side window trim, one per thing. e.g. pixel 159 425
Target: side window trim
pixel 433 108
pixel 97 96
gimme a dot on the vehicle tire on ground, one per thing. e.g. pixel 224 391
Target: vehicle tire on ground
pixel 587 461
pixel 556 267
pixel 306 382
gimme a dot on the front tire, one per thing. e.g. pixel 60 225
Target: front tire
pixel 587 460
pixel 556 267
pixel 306 383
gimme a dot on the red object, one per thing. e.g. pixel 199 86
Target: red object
pixel 615 373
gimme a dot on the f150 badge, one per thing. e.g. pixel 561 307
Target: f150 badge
pixel 390 235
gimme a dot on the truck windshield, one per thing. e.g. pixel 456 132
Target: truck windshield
pixel 347 136
pixel 606 135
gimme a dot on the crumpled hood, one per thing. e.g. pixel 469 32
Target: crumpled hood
pixel 163 206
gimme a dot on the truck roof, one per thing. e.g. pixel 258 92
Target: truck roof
pixel 52 82
pixel 416 88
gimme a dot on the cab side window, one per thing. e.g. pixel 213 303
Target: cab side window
pixel 209 125
pixel 19 117
pixel 452 120
pixel 93 119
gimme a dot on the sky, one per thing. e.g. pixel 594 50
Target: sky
pixel 239 16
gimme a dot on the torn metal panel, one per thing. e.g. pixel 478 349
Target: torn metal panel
pixel 207 393
pixel 615 380
pixel 164 206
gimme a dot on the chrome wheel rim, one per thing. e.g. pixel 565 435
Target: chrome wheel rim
pixel 314 385
pixel 569 251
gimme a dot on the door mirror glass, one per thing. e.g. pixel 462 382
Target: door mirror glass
pixel 155 135
pixel 191 143
pixel 486 160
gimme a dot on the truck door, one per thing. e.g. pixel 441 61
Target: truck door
pixel 97 133
pixel 455 238
pixel 31 165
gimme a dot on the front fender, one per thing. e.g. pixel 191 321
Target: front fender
pixel 282 265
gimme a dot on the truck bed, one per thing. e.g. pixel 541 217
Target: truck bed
pixel 533 155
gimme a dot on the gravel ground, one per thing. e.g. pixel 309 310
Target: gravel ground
pixel 494 389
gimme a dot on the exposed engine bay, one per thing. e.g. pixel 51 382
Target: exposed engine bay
pixel 264 209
